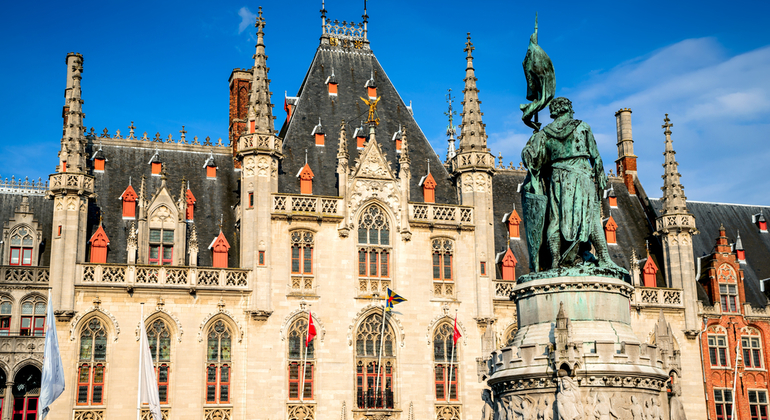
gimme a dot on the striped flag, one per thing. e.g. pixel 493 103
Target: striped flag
pixel 393 299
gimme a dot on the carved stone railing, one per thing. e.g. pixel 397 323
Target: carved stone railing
pixel 124 275
pixel 709 310
pixel 71 182
pixel 218 413
pixel 306 205
pixel 658 297
pixel 504 289
pixel 25 187
pixel 21 274
pixel 751 311
pixel 86 414
pixel 440 214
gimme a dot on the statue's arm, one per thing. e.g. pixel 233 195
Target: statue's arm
pixel 596 159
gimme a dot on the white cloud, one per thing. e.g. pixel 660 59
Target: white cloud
pixel 247 18
pixel 719 104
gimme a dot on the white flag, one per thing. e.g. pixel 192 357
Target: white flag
pixel 52 384
pixel 148 385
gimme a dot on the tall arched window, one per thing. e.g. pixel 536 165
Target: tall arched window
pixel 218 363
pixel 373 251
pixel 302 252
pixel 159 339
pixel 297 340
pixel 6 307
pixel 368 347
pixel 92 363
pixel 33 316
pixel 444 365
pixel 443 286
pixel 22 242
pixel 26 390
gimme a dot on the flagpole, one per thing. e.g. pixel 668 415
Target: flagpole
pixel 302 378
pixel 379 357
pixel 139 376
pixel 451 361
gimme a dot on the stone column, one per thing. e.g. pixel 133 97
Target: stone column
pixel 7 401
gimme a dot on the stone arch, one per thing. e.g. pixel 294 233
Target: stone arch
pixel 440 319
pixel 506 337
pixel 390 213
pixel 174 326
pixel 224 315
pixel 368 310
pixel 110 323
pixel 289 320
pixel 21 364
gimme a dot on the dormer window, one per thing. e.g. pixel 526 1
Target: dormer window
pixel 728 288
pixel 129 202
pixel 331 84
pixel 428 185
pixel 289 102
pixel 99 243
pixel 211 167
pixel 305 176
pixel 360 135
pixel 507 263
pixel 649 272
pixel 397 139
pixel 220 248
pixel 513 221
pixel 99 159
pixel 739 251
pixel 612 199
pixel 155 164
pixel 371 87
pixel 318 134
pixel 190 201
pixel 161 247
pixel 759 220
pixel 610 228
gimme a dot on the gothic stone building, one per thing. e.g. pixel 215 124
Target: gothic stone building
pixel 230 245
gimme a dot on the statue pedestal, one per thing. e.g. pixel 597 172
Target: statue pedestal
pixel 575 351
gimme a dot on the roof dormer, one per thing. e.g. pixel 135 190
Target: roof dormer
pixel 513 221
pixel 211 167
pixel 318 134
pixel 610 228
pixel 397 138
pixel 156 163
pixel 331 84
pixel 371 87
pixel 220 248
pixel 99 158
pixel 759 220
pixel 305 176
pixel 99 242
pixel 129 201
pixel 360 135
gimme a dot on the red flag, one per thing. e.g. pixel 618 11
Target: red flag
pixel 310 329
pixel 457 334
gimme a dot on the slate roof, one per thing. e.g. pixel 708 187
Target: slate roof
pixel 214 196
pixel 634 228
pixel 735 217
pixel 352 69
pixel 43 211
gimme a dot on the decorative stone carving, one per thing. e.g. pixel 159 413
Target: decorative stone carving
pixel 220 311
pixel 95 308
pixel 365 311
pixel 363 190
pixel 161 310
pixel 440 318
pixel 289 319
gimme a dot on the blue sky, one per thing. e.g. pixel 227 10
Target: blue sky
pixel 164 65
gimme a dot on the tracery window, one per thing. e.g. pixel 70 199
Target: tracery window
pixel 752 350
pixel 161 246
pixel 718 350
pixel 371 393
pixel 442 259
pixel 302 252
pixel 728 288
pixel 159 340
pixel 297 352
pixel 445 363
pixel 509 335
pixel 219 363
pixel 92 364
pixel 22 243
pixel 5 318
pixel 33 316
pixel 373 251
pixel 26 391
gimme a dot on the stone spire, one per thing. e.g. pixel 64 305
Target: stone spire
pixel 404 178
pixel 260 115
pixel 472 132
pixel 451 129
pixel 72 157
pixel 674 201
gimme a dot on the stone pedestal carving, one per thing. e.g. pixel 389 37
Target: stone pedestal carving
pixel 575 356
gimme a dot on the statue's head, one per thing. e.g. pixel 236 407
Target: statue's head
pixel 560 106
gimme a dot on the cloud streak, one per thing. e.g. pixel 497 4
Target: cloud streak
pixel 247 18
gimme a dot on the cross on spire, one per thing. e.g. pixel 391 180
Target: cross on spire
pixel 469 45
pixel 260 24
pixel 667 125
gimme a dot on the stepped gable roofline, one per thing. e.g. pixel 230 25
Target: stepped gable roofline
pixel 314 102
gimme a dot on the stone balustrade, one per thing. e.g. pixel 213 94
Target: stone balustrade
pixel 22 274
pixel 440 214
pixel 504 289
pixel 657 297
pixel 201 278
pixel 299 205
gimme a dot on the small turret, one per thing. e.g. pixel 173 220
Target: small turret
pixel 260 109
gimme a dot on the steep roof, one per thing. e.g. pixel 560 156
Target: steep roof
pixel 214 197
pixel 352 68
pixel 43 212
pixel 735 217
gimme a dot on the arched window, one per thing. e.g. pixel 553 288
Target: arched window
pixel 297 340
pixel 445 363
pixel 218 363
pixel 159 339
pixel 22 242
pixel 26 390
pixel 33 316
pixel 373 251
pixel 92 363
pixel 443 285
pixel 751 343
pixel 161 247
pixel 728 288
pixel 509 335
pixel 302 252
pixel 369 345
pixel 5 318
